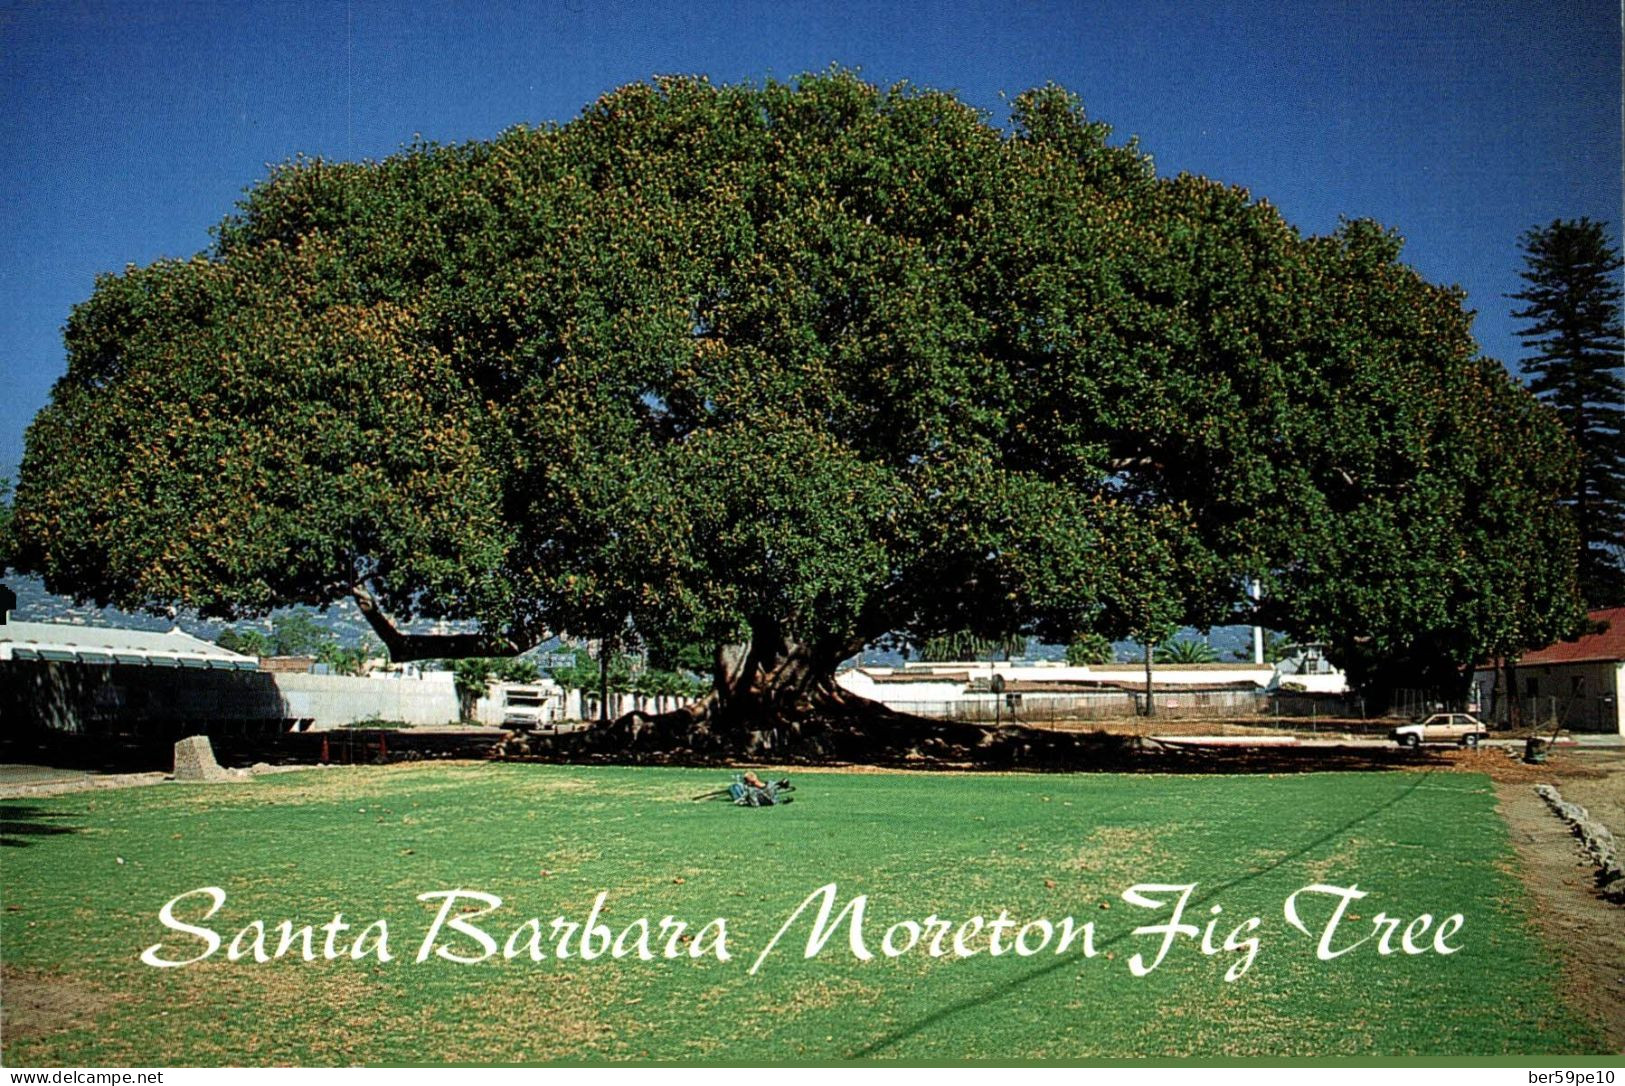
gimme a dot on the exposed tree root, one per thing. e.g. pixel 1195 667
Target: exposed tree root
pixel 848 730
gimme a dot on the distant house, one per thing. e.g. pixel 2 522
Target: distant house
pixel 1576 683
pixel 1307 668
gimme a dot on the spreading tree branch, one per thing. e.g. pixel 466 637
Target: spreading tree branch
pixel 404 647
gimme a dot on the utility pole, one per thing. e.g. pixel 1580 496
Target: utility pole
pixel 1150 694
pixel 1256 590
pixel 603 683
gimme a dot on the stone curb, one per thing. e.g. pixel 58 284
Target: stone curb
pixel 1594 837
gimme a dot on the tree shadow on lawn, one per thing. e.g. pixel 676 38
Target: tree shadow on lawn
pixel 879 1045
pixel 19 823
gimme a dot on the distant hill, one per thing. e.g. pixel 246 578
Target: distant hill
pixel 1226 641
pixel 34 604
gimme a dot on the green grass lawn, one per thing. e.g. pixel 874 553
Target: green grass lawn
pixel 548 840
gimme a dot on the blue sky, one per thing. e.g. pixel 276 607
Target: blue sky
pixel 128 129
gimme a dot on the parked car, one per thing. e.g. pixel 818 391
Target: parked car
pixel 1463 729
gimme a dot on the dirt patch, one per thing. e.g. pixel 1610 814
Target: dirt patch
pixel 338 784
pixel 1596 781
pixel 1324 728
pixel 1114 847
pixel 1503 765
pixel 546 1017
pixel 34 1004
pixel 1584 929
pixel 25 789
pixel 27 782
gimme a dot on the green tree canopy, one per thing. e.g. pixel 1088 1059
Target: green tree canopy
pixel 1574 332
pixel 248 641
pixel 786 368
pixel 5 522
pixel 1275 649
pixel 350 659
pixel 1090 648
pixel 299 633
pixel 586 673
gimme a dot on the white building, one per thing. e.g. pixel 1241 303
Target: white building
pixel 1040 690
pixel 63 643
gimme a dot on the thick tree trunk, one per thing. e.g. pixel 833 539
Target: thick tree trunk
pixel 1509 678
pixel 774 693
pixel 775 699
pixel 774 681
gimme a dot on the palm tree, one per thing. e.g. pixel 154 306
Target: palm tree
pixel 1186 651
pixel 964 645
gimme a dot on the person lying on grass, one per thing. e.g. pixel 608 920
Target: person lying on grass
pixel 749 790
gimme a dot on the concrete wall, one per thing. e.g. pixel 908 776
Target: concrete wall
pixel 1047 708
pixel 95 698
pixel 1336 683
pixel 900 694
pixel 334 700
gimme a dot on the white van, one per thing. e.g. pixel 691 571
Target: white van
pixel 535 707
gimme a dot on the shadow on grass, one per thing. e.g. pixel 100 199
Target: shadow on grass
pixel 19 823
pixel 878 1046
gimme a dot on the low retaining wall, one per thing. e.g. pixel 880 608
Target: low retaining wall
pixel 1594 837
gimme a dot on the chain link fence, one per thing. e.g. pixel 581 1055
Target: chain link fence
pixel 1579 713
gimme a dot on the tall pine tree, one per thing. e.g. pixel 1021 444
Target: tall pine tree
pixel 1573 298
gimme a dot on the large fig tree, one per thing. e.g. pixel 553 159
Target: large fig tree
pixel 785 369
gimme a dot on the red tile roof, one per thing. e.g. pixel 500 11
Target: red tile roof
pixel 1608 645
